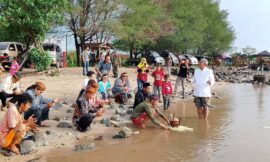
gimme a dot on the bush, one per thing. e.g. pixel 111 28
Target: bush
pixel 41 60
pixel 72 59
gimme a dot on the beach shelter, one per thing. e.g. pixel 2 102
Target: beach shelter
pixel 263 54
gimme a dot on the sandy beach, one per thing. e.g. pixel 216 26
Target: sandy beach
pixel 66 87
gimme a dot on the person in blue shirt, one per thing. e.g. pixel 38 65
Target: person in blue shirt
pixel 104 87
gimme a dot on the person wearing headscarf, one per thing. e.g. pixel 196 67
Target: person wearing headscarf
pixel 142 69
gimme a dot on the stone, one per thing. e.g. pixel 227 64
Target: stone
pixel 27 146
pixel 105 121
pixel 64 125
pixel 40 139
pixel 56 119
pixel 85 147
pixel 121 112
pixel 130 111
pixel 116 118
pixel 126 132
pixel 69 111
pixel 51 133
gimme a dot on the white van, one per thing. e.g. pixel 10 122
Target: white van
pixel 12 49
pixel 54 51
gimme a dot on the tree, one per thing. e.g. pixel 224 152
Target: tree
pixel 27 21
pixel 88 21
pixel 141 23
pixel 249 50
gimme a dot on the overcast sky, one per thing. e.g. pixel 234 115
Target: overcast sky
pixel 251 21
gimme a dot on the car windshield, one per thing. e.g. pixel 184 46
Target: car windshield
pixel 48 47
pixel 155 54
pixel 3 45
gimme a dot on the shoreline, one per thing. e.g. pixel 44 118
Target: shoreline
pixel 66 87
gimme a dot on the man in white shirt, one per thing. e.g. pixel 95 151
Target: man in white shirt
pixel 203 80
pixel 10 87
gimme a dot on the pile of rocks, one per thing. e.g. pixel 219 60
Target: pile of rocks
pixel 234 74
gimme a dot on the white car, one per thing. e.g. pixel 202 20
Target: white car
pixel 158 59
pixel 175 60
pixel 192 60
pixel 53 50
pixel 12 49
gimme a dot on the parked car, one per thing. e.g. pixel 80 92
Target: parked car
pixel 152 58
pixel 11 49
pixel 53 50
pixel 192 60
pixel 165 54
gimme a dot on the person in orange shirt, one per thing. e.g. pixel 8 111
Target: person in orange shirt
pixel 13 127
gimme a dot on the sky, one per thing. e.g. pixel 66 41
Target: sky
pixel 251 22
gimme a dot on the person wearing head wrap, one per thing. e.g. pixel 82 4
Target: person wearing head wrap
pixel 41 105
pixel 88 107
pixel 142 69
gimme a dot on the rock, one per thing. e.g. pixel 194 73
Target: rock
pixel 112 106
pixel 69 134
pixel 85 147
pixel 121 112
pixel 40 139
pixel 27 146
pixel 69 111
pixel 64 125
pixel 66 103
pixel 74 105
pixel 56 119
pixel 51 133
pixel 126 132
pixel 116 118
pixel 130 111
pixel 105 121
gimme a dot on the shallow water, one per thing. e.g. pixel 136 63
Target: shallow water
pixel 238 129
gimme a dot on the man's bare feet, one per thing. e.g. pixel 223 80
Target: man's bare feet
pixel 45 123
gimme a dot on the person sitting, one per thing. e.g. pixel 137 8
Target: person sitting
pixel 10 87
pixel 104 86
pixel 88 107
pixel 142 94
pixel 90 76
pixel 121 88
pixel 41 105
pixel 13 127
pixel 147 110
pixel 91 83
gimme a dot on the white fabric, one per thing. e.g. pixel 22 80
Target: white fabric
pixel 7 85
pixel 201 77
pixel 85 82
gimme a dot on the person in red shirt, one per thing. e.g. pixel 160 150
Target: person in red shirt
pixel 158 75
pixel 166 92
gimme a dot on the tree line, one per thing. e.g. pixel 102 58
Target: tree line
pixel 182 26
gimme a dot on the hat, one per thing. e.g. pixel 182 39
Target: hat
pixel 203 60
pixel 40 86
pixel 146 84
pixel 17 75
pixel 153 97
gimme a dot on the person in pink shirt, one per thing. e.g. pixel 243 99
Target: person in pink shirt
pixel 13 127
pixel 166 92
pixel 158 75
pixel 14 66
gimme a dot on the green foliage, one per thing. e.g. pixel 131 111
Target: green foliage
pixel 72 59
pixel 40 59
pixel 27 21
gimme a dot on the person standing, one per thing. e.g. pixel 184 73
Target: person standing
pixel 116 63
pixel 85 59
pixel 104 67
pixel 92 57
pixel 182 76
pixel 166 92
pixel 168 65
pixel 142 69
pixel 158 75
pixel 203 80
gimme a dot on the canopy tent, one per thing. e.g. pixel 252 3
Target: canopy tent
pixel 263 54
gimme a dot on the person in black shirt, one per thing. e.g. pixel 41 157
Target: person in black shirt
pixel 182 76
pixel 142 94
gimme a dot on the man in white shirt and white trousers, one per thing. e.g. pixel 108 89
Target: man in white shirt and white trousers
pixel 203 80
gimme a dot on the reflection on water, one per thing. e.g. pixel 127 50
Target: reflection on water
pixel 235 131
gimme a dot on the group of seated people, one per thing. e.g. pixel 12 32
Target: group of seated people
pixel 29 109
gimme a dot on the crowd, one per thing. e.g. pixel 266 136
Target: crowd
pixel 29 109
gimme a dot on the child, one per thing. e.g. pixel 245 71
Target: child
pixel 104 86
pixel 14 66
pixel 158 75
pixel 142 69
pixel 166 92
